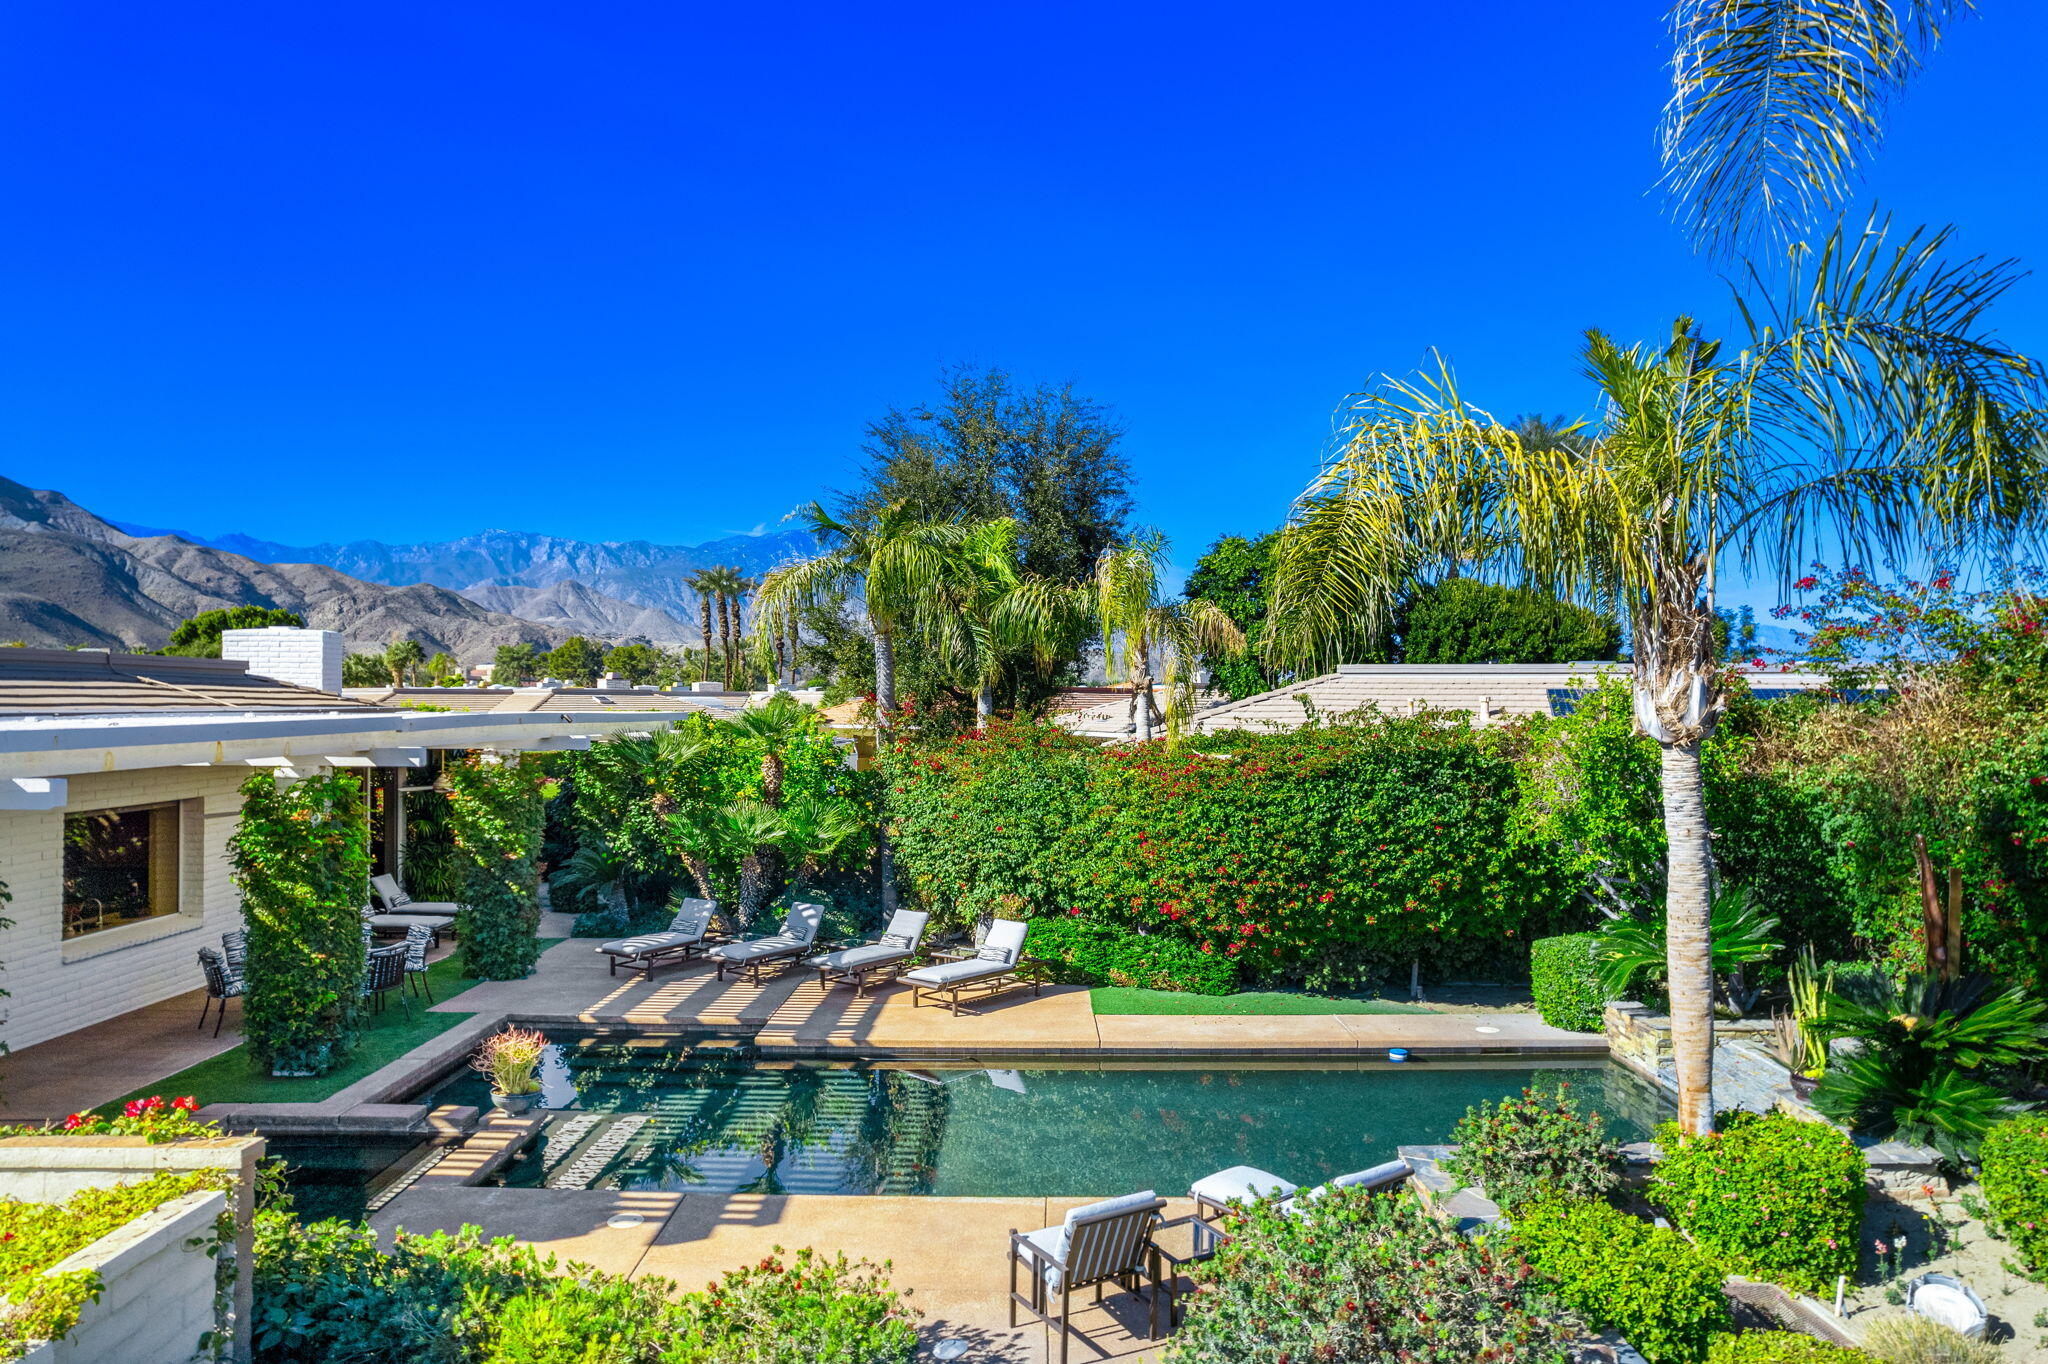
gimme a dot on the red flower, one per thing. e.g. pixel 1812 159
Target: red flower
pixel 1807 584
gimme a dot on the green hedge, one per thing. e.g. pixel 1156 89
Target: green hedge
pixel 1772 1197
pixel 1781 1347
pixel 1096 954
pixel 1566 985
pixel 2015 1178
pixel 1648 1283
pixel 1331 856
pixel 495 810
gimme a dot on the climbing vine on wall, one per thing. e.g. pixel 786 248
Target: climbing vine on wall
pixel 301 858
pixel 495 811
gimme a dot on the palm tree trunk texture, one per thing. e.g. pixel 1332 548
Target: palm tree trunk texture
pixel 1141 690
pixel 885 719
pixel 1689 960
pixel 725 636
pixel 704 619
pixel 985 702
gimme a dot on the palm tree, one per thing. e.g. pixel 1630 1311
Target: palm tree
pixel 1872 405
pixel 401 657
pixel 1776 104
pixel 1132 609
pixel 899 565
pixel 774 725
pixel 704 585
pixel 998 612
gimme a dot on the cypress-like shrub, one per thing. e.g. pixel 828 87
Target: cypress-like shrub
pixel 495 811
pixel 1564 979
pixel 2014 1174
pixel 301 858
pixel 1772 1197
pixel 1620 1272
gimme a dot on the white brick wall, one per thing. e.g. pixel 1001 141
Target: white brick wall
pixel 158 1300
pixel 57 986
pixel 311 658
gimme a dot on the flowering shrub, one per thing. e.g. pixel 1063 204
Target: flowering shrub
pixel 1534 1148
pixel 1781 1347
pixel 793 1311
pixel 1565 981
pixel 153 1117
pixel 2015 1179
pixel 1771 1196
pixel 1332 855
pixel 1368 1278
pixel 1618 1271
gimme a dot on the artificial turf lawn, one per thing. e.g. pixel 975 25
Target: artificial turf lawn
pixel 1119 999
pixel 229 1078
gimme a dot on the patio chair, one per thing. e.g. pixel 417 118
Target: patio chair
pixel 398 925
pixel 1099 1243
pixel 384 972
pixel 750 955
pixel 998 964
pixel 884 957
pixel 234 949
pixel 223 983
pixel 1248 1184
pixel 686 936
pixel 392 897
pixel 418 939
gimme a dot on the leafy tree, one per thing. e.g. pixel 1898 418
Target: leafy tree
pixel 1235 575
pixel 199 636
pixel 639 664
pixel 1868 402
pixel 444 671
pixel 401 657
pixel 990 448
pixel 996 612
pixel 364 670
pixel 515 664
pixel 1136 615
pixel 575 660
pixel 1463 620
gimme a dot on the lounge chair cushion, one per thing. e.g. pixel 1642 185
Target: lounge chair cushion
pixel 1379 1176
pixel 1239 1184
pixel 1054 1241
pixel 956 972
pixel 858 958
pixel 1004 943
pixel 648 942
pixel 694 918
pixel 436 922
pixel 780 945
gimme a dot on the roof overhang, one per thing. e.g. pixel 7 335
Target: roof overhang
pixel 57 746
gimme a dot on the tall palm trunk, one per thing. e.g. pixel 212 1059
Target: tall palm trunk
pixel 1689 961
pixel 885 720
pixel 985 701
pixel 1141 686
pixel 725 635
pixel 704 619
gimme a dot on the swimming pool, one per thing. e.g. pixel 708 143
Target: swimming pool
pixel 711 1115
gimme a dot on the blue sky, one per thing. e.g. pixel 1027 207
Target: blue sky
pixel 642 270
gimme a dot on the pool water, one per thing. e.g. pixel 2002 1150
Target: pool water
pixel 337 1176
pixel 711 1116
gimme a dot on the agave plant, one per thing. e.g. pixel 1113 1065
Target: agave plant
pixel 1739 930
pixel 1926 1042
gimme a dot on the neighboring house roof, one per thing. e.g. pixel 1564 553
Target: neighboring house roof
pixel 1101 712
pixel 1488 691
pixel 514 700
pixel 95 682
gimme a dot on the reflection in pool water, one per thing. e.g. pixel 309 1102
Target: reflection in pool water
pixel 709 1115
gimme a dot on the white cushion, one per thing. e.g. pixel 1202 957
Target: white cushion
pixel 778 945
pixel 648 942
pixel 694 917
pixel 801 923
pixel 1239 1184
pixel 1004 943
pixel 1087 1212
pixel 435 921
pixel 1053 1241
pixel 853 958
pixel 956 972
pixel 1389 1172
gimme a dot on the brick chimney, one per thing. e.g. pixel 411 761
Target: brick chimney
pixel 311 658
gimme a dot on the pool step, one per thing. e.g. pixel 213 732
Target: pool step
pixel 584 1170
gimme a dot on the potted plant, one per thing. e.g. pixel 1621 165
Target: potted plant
pixel 1798 1039
pixel 512 1061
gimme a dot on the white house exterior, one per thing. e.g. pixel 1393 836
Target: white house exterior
pixel 119 791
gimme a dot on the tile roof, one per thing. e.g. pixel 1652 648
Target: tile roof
pixel 95 682
pixel 557 700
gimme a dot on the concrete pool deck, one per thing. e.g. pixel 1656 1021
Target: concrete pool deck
pixel 950 1253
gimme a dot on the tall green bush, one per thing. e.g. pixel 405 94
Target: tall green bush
pixel 1535 1148
pixel 2015 1179
pixel 301 858
pixel 1564 977
pixel 494 813
pixel 1086 953
pixel 1771 1196
pixel 1618 1271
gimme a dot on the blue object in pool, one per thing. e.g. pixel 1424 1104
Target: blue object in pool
pixel 1397 1054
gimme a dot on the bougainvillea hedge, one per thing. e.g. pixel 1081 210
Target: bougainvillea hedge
pixel 1333 855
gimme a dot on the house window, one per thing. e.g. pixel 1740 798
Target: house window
pixel 120 867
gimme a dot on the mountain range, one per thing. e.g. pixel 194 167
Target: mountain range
pixel 70 577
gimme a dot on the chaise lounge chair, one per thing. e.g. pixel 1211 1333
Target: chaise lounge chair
pixel 392 897
pixel 686 936
pixel 884 957
pixel 1106 1242
pixel 750 956
pixel 1249 1184
pixel 998 964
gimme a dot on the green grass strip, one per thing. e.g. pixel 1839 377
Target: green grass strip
pixel 1119 999
pixel 230 1079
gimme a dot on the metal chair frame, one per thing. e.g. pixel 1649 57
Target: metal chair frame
pixel 1102 1250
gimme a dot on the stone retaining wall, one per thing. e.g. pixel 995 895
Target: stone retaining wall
pixel 157 1302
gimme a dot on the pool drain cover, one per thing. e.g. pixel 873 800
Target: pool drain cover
pixel 624 1220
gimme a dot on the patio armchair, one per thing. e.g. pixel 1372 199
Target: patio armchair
pixel 998 964
pixel 418 939
pixel 1098 1243
pixel 223 983
pixel 860 961
pixel 384 972
pixel 687 935
pixel 393 899
pixel 750 955
pixel 234 949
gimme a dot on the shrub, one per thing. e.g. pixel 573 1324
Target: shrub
pixel 495 812
pixel 1368 1278
pixel 1780 1347
pixel 1097 954
pixel 1771 1197
pixel 1910 1339
pixel 1539 1146
pixel 2015 1179
pixel 301 856
pixel 795 1311
pixel 1649 1283
pixel 1565 979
